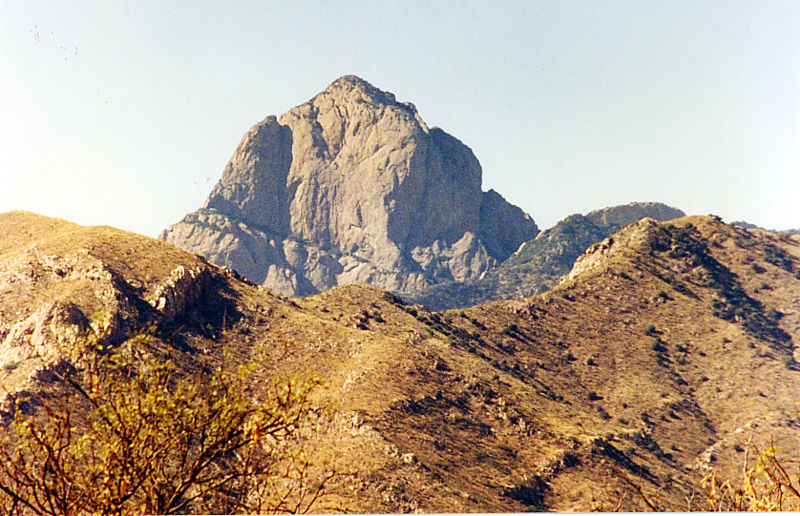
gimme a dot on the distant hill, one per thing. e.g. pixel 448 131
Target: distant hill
pixel 539 263
pixel 747 225
pixel 667 350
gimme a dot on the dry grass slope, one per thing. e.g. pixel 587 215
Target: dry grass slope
pixel 657 358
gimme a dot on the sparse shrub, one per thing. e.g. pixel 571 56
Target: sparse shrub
pixel 773 314
pixel 590 361
pixel 777 257
pixel 593 396
pixel 658 346
pixel 650 330
pixel 531 493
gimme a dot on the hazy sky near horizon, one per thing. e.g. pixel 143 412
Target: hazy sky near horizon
pixel 125 113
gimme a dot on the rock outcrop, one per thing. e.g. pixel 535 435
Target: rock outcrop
pixel 352 187
pixel 67 290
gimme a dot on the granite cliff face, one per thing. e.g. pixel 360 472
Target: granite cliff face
pixel 352 187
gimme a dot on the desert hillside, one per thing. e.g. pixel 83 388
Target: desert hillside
pixel 666 350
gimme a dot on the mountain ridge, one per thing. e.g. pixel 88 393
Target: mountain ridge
pixel 541 262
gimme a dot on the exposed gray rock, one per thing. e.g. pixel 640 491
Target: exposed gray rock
pixel 500 228
pixel 54 326
pixel 352 187
pixel 178 290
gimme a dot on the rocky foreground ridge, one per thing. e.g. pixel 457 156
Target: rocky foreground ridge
pixel 668 350
pixel 352 187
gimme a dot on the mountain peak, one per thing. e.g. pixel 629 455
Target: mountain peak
pixel 352 187
pixel 350 89
pixel 351 82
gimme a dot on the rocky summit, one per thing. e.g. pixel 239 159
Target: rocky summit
pixel 352 187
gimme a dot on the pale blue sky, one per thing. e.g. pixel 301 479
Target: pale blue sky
pixel 126 113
